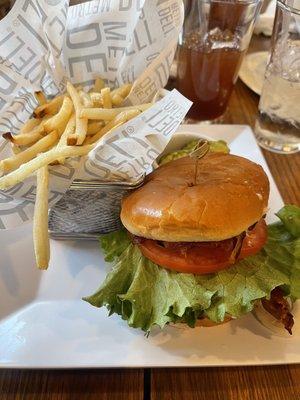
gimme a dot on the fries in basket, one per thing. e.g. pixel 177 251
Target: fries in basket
pixel 69 125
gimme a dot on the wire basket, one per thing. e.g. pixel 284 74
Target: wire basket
pixel 89 208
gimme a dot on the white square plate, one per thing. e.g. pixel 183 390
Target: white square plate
pixel 45 324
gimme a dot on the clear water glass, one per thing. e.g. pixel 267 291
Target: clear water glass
pixel 278 123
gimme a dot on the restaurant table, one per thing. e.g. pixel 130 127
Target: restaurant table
pixel 225 383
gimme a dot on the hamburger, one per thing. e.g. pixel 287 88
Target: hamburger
pixel 196 249
pixel 199 216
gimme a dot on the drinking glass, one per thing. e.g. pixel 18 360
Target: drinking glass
pixel 278 124
pixel 213 41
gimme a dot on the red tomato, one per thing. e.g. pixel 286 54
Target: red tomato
pixel 254 240
pixel 202 257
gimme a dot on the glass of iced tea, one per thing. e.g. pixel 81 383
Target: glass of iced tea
pixel 213 41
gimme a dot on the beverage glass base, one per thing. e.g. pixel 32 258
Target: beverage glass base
pixel 277 147
pixel 275 138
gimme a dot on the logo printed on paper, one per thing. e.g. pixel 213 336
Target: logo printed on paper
pixel 116 39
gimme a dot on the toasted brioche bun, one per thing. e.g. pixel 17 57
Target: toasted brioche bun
pixel 229 195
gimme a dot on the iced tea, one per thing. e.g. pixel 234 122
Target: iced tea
pixel 207 77
pixel 214 39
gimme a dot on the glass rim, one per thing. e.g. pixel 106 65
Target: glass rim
pixel 288 8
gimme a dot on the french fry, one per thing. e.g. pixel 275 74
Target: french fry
pixel 50 108
pixel 115 123
pixel 59 121
pixel 15 149
pixel 68 132
pixel 106 99
pixel 98 85
pixel 117 96
pixel 100 113
pixel 108 128
pixel 85 99
pixel 117 100
pixel 123 90
pixel 41 98
pixel 30 125
pixel 61 129
pixel 45 119
pixel 81 121
pixel 128 115
pixel 14 162
pixel 72 140
pixel 25 139
pixel 40 220
pixel 25 170
pixel 94 127
pixel 96 99
pixel 109 114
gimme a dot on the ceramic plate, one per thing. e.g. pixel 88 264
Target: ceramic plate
pixel 45 324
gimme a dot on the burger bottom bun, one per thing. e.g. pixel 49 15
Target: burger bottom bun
pixel 207 323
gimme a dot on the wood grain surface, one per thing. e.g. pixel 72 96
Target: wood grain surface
pixel 72 385
pixel 255 383
pixel 251 383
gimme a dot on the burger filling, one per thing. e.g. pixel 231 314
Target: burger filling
pixel 279 307
pixel 204 257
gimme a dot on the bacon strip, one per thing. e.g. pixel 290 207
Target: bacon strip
pixel 137 239
pixel 237 247
pixel 279 308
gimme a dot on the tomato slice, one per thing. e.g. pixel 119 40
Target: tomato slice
pixel 254 240
pixel 202 257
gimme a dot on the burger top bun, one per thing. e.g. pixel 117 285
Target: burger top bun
pixel 190 200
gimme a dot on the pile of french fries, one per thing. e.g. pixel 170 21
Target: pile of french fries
pixel 69 125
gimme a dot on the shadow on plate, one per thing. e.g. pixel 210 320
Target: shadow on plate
pixel 226 342
pixel 19 277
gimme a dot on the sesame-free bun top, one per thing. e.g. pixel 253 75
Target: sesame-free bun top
pixel 226 196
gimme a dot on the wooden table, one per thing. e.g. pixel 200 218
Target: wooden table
pixel 252 383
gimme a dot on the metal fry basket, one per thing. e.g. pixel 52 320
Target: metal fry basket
pixel 89 208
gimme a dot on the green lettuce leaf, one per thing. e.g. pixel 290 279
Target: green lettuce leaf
pixel 113 244
pixel 146 295
pixel 283 247
pixel 290 216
